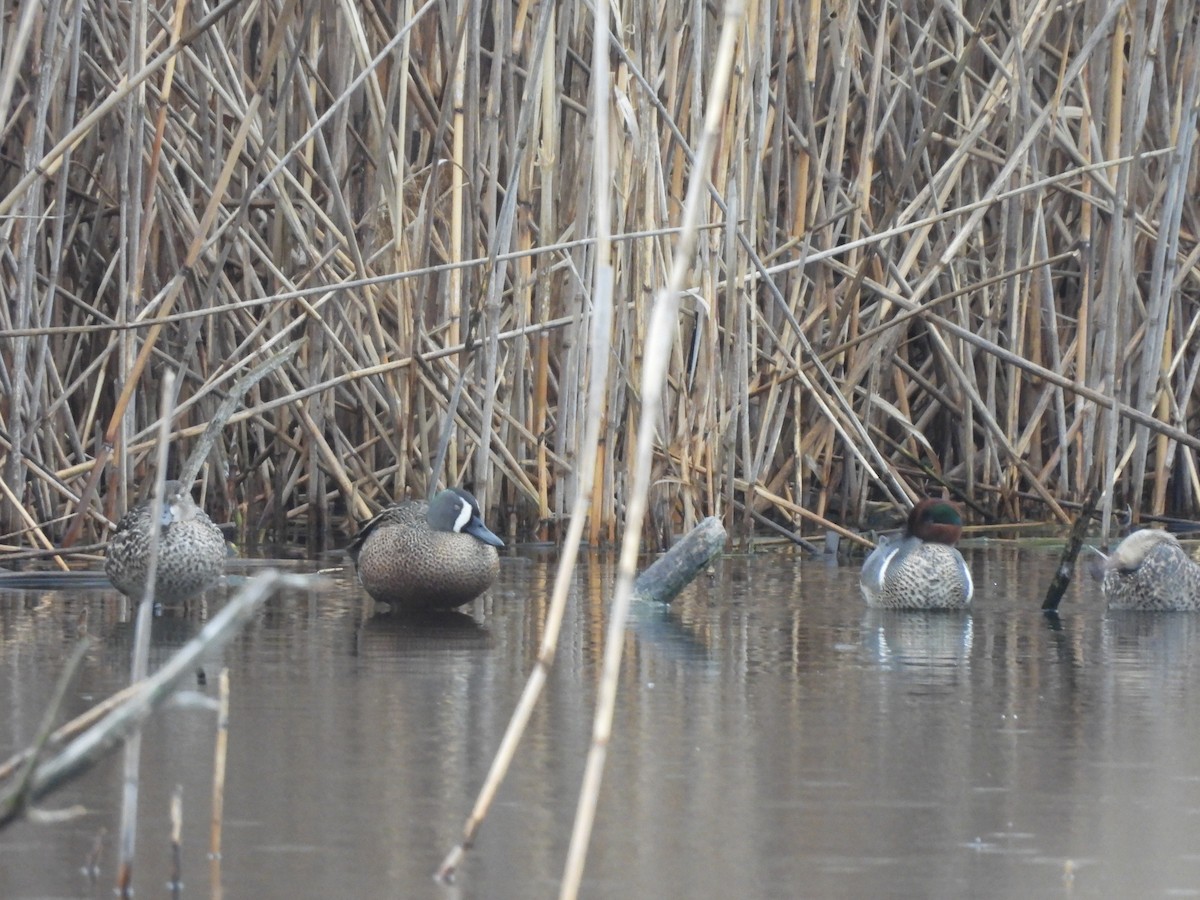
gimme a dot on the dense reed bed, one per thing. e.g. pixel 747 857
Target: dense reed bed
pixel 955 253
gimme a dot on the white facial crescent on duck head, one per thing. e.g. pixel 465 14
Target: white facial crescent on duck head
pixel 464 515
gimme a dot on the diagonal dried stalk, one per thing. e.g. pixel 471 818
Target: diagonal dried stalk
pixel 141 650
pixel 595 379
pixel 658 340
pixel 17 801
pixel 134 705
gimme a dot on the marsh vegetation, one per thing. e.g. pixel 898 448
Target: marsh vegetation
pixel 948 253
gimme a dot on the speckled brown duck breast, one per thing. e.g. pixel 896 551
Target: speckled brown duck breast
pixel 921 569
pixel 191 549
pixel 427 556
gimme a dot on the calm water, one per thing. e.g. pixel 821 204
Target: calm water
pixel 773 739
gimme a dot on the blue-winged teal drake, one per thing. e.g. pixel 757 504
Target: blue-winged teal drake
pixel 418 556
pixel 1150 570
pixel 191 549
pixel 921 569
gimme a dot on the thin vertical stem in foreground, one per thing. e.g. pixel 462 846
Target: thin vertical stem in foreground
pixel 596 379
pixel 175 883
pixel 657 355
pixel 222 746
pixel 218 794
pixel 141 646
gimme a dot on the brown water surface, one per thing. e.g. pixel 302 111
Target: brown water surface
pixel 773 738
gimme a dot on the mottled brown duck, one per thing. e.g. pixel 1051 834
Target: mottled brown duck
pixel 417 556
pixel 191 549
pixel 1151 570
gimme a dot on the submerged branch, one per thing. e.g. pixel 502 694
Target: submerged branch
pixel 142 699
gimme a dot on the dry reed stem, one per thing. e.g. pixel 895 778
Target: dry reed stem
pixel 658 342
pixel 220 754
pixel 175 882
pixel 65 732
pixel 16 802
pixel 139 664
pixel 48 164
pixel 594 379
pixel 144 697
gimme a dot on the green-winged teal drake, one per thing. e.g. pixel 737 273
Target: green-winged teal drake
pixel 418 556
pixel 191 549
pixel 921 569
pixel 1151 570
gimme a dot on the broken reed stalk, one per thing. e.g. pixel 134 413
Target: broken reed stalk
pixel 175 882
pixel 141 647
pixel 91 863
pixel 149 694
pixel 64 733
pixel 659 339
pixel 595 379
pixel 1066 565
pixel 219 756
pixel 17 801
pixel 72 729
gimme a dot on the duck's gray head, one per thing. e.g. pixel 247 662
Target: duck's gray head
pixel 177 504
pixel 456 510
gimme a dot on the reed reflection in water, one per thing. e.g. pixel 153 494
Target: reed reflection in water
pixel 774 738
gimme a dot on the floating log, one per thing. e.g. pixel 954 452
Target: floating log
pixel 675 569
pixel 83 580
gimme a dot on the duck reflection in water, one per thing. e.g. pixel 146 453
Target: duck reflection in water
pixel 934 641
pixel 438 630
